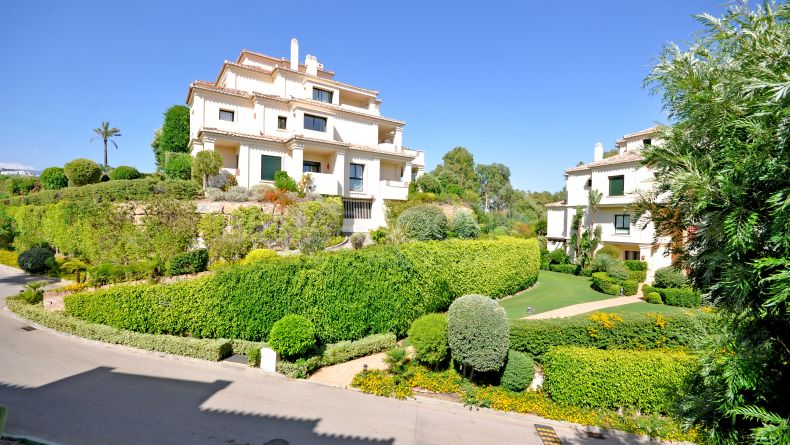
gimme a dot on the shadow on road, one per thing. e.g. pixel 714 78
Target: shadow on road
pixel 135 409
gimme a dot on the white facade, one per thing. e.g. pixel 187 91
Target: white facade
pixel 618 227
pixel 263 111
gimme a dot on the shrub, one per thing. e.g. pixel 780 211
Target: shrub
pixel 683 297
pixel 254 357
pixel 193 261
pixel 284 182
pixel 36 260
pixel 602 263
pixel 292 335
pixel 464 226
pixel 653 298
pixel 120 190
pixel 357 240
pixel 300 368
pixel 602 282
pixel 669 277
pixel 311 244
pixel 617 271
pixel 428 183
pixel 33 293
pixel 178 166
pixel 610 251
pixel 428 335
pixel 82 172
pixel 53 178
pixel 206 163
pixel 108 273
pixel 636 265
pixel 637 275
pixel 558 256
pixel 423 222
pixel 646 380
pixel 125 172
pixel 348 294
pixel 9 258
pixel 21 185
pixel 344 351
pixel 477 332
pixel 7 231
pixel 519 371
pixel 379 236
pixel 610 331
pixel 565 268
pixel 190 347
pixel 257 255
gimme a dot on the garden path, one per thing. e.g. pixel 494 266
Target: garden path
pixel 340 375
pixel 583 308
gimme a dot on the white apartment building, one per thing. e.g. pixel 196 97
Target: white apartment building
pixel 265 114
pixel 618 178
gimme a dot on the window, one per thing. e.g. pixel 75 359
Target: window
pixel 356 209
pixel 322 95
pixel 269 166
pixel 355 173
pixel 647 142
pixel 622 224
pixel 314 123
pixel 616 185
pixel 282 122
pixel 311 167
pixel 632 255
pixel 226 115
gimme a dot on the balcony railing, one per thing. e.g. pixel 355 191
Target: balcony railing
pixel 325 184
pixel 394 189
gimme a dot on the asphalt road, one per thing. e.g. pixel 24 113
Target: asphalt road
pixel 65 390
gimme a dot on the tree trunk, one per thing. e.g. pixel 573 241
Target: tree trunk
pixel 105 152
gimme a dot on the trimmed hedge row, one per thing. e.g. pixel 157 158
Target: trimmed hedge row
pixel 206 349
pixel 681 296
pixel 347 295
pixel 344 351
pixel 602 282
pixel 609 331
pixel 119 190
pixel 571 269
pixel 646 380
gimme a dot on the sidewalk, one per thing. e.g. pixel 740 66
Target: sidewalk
pixel 583 308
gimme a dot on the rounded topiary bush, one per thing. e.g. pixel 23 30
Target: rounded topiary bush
pixel 178 166
pixel 36 260
pixel 558 256
pixel 53 178
pixel 654 298
pixel 477 332
pixel 82 172
pixel 423 222
pixel 125 172
pixel 464 226
pixel 292 335
pixel 669 277
pixel 519 371
pixel 428 335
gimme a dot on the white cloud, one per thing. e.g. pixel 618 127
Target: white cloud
pixel 15 166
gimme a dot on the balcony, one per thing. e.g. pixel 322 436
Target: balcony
pixel 325 184
pixel 394 190
pixel 388 146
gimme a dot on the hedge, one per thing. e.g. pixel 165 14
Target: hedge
pixel 120 190
pixel 683 296
pixel 602 282
pixel 207 349
pixel 347 295
pixel 588 377
pixel 565 268
pixel 609 331
pixel 9 258
pixel 636 265
pixel 344 351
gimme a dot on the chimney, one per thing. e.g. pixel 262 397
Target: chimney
pixel 294 54
pixel 598 153
pixel 311 65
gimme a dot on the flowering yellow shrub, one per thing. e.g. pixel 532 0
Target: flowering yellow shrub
pixel 73 287
pixel 381 383
pixel 606 320
pixel 9 258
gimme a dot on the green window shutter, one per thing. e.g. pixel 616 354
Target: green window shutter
pixel 269 166
pixel 616 185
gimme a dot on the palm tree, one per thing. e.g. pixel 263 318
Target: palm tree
pixel 76 267
pixel 593 201
pixel 106 134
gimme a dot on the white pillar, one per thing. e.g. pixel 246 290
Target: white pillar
pixel 339 172
pixel 398 139
pixel 407 173
pixel 297 160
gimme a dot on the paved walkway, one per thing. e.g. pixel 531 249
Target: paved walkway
pixel 341 375
pixel 583 308
pixel 71 391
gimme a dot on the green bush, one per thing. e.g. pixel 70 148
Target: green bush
pixel 20 185
pixel 602 282
pixel 344 351
pixel 121 190
pixel 36 260
pixel 610 331
pixel 668 278
pixel 284 182
pixel 610 251
pixel 292 335
pixel 53 178
pixel 477 332
pixel 683 297
pixel 347 294
pixel 653 298
pixel 82 172
pixel 637 275
pixel 210 349
pixel 357 240
pixel 300 368
pixel 519 371
pixel 193 261
pixel 636 265
pixel 464 225
pixel 178 166
pixel 107 273
pixel 8 231
pixel 423 222
pixel 558 256
pixel 125 172
pixel 254 357
pixel 646 380
pixel 428 335
pixel 428 183
pixel 255 255
pixel 571 269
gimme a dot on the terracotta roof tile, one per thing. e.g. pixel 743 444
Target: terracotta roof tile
pixel 622 158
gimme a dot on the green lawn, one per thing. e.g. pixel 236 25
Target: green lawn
pixel 552 291
pixel 642 307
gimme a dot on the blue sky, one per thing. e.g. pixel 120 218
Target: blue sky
pixel 533 85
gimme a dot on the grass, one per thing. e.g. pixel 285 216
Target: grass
pixel 552 291
pixel 642 307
